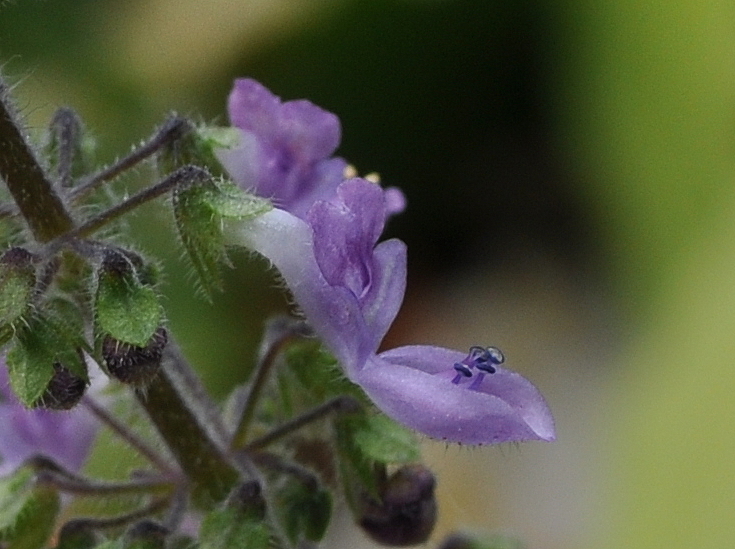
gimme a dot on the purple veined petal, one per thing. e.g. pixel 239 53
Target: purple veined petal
pixel 253 107
pixel 333 311
pixel 286 147
pixel 381 304
pixel 320 183
pixel 310 131
pixel 64 436
pixel 346 230
pixel 413 386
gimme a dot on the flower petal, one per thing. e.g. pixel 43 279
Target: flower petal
pixel 333 311
pixel 385 297
pixel 253 107
pixel 285 148
pixel 413 386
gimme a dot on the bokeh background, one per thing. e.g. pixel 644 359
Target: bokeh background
pixel 569 168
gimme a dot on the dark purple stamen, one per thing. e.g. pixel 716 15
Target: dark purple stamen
pixel 462 371
pixel 484 359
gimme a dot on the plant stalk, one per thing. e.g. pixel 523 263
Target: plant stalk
pixel 26 180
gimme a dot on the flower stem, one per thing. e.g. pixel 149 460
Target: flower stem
pixel 31 189
pixel 185 174
pixel 194 445
pixel 174 128
pixel 278 333
pixel 67 133
pixel 152 508
pixel 338 404
pixel 124 433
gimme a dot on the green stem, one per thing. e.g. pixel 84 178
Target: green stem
pixel 340 404
pixel 285 330
pixel 193 445
pixel 186 174
pixel 32 191
pixel 174 128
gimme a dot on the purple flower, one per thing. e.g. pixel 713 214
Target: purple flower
pixel 285 150
pixel 350 288
pixel 66 437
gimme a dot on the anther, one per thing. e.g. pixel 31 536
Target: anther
pixel 462 371
pixel 492 356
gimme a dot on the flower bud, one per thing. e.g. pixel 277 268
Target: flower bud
pixel 131 364
pixel 77 534
pixel 406 513
pixel 63 391
pixel 17 281
pixel 466 541
pixel 127 309
pixel 246 499
pixel 146 534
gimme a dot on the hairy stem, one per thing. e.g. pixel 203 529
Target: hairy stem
pixel 338 404
pixel 27 182
pixel 185 174
pixel 67 133
pixel 198 452
pixel 278 334
pixel 174 128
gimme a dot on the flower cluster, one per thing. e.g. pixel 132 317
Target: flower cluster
pixel 69 297
pixel 323 237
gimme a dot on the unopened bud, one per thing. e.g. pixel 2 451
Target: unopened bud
pixel 466 541
pixel 246 499
pixel 406 513
pixel 77 534
pixel 146 534
pixel 131 364
pixel 17 280
pixel 63 391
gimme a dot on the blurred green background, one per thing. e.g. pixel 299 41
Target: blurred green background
pixel 569 169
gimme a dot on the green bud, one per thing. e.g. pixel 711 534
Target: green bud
pixel 45 365
pixel 17 282
pixel 239 522
pixel 125 308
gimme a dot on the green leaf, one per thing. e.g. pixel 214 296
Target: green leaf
pixel 199 211
pixel 27 511
pixel 384 440
pixel 45 339
pixel 319 373
pixel 304 510
pixel 126 309
pixel 226 529
pixel 111 544
pixel 365 444
pixel 215 137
